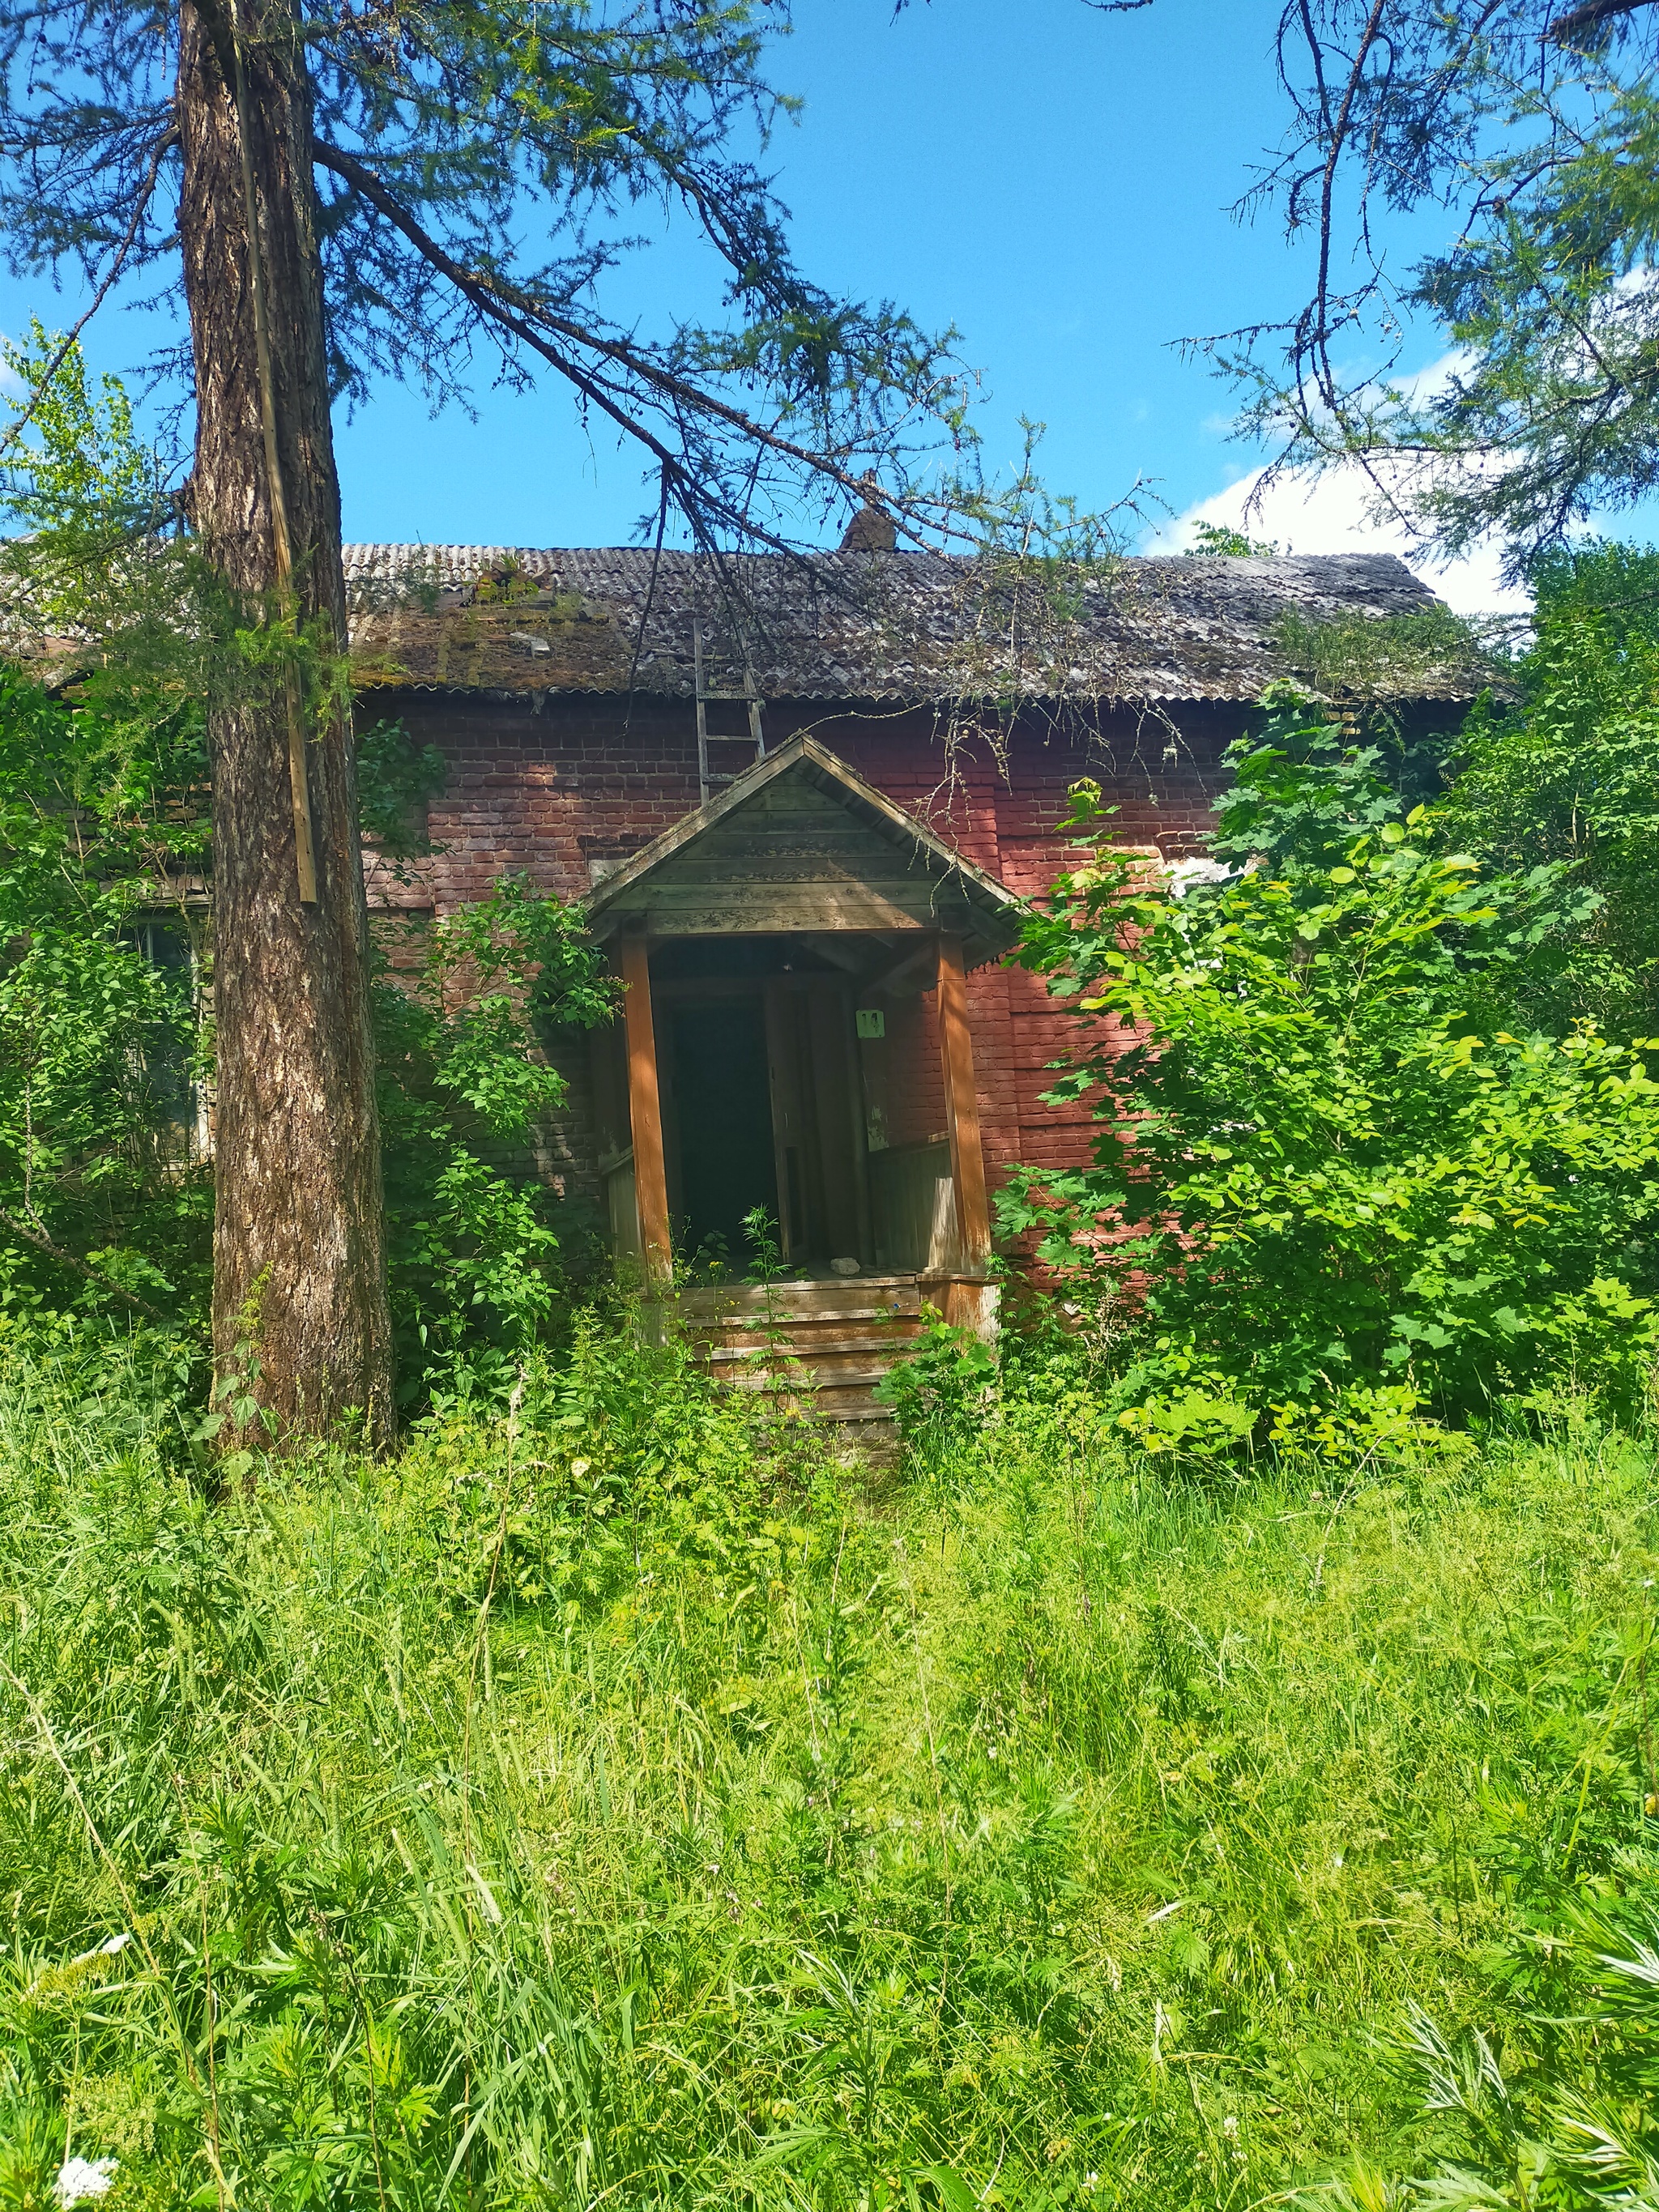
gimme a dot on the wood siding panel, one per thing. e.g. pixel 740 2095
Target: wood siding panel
pixel 791 858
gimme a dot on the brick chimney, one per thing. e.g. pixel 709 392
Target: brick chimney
pixel 870 530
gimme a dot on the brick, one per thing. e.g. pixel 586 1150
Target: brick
pixel 544 793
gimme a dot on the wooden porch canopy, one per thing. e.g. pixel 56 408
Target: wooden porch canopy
pixel 800 845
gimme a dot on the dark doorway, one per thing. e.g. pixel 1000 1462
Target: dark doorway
pixel 723 1106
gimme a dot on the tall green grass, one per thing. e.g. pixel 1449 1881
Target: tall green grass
pixel 618 1804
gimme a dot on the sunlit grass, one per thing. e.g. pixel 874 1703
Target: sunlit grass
pixel 614 1806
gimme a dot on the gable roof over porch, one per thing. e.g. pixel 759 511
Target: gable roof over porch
pixel 801 844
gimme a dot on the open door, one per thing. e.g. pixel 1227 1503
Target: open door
pixel 720 1135
pixel 817 1121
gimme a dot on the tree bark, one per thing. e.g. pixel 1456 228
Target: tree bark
pixel 299 1256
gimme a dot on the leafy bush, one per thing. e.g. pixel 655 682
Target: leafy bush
pixel 944 1387
pixel 1569 772
pixel 465 1081
pixel 105 939
pixel 104 1189
pixel 1327 1158
pixel 101 1191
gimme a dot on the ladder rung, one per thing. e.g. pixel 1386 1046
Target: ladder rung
pixel 753 737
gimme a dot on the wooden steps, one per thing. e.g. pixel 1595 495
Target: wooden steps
pixel 823 1343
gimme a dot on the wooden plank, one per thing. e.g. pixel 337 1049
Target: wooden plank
pixel 753 827
pixel 765 909
pixel 668 897
pixel 754 833
pixel 645 1113
pixel 788 1135
pixel 736 1346
pixel 912 892
pixel 858 1111
pixel 956 1044
pixel 902 977
pixel 789 868
pixel 810 785
pixel 771 918
pixel 829 1016
pixel 785 869
pixel 798 845
pixel 965 1302
pixel 804 1310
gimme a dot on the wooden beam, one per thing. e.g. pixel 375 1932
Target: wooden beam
pixel 956 1045
pixel 645 1115
pixel 888 979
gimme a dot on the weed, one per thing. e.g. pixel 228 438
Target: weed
pixel 604 1805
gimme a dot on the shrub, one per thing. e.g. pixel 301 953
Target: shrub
pixel 462 1024
pixel 1325 1156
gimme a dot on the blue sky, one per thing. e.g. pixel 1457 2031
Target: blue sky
pixel 1053 180
pixel 1050 180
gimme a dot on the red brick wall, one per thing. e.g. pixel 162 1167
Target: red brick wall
pixel 547 792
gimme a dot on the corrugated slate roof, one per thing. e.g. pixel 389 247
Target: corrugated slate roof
pixel 915 627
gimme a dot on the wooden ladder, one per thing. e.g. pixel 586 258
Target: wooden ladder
pixel 708 778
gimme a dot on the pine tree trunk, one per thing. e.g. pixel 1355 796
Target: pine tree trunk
pixel 299 1238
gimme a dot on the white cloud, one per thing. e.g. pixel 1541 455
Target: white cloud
pixel 1334 514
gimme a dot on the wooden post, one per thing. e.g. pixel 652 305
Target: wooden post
pixel 644 1114
pixel 956 1045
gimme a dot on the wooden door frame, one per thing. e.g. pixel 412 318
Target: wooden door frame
pixel 956 1045
pixel 644 1115
pixel 961 1106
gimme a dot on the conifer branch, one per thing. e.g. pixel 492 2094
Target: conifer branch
pixel 512 309
pixel 1583 22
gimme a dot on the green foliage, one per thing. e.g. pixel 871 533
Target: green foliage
pixel 102 823
pixel 603 1802
pixel 1569 773
pixel 462 1014
pixel 104 588
pixel 1549 298
pixel 1328 1157
pixel 105 1194
pixel 477 177
pixel 1604 577
pixel 1380 669
pixel 396 779
pixel 1576 2129
pixel 943 1389
pixel 1216 537
pixel 74 451
pixel 112 601
pixel 106 594
pixel 1532 128
pixel 99 1183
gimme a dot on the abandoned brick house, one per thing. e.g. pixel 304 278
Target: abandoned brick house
pixel 804 803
